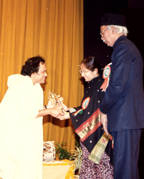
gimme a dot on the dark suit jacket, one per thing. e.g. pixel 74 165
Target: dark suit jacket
pixel 124 98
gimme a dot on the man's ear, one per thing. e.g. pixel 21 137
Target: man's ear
pixel 113 29
pixel 32 75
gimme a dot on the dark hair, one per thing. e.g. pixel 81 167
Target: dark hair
pixel 91 63
pixel 32 65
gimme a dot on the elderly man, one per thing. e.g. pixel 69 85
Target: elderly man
pixel 21 132
pixel 122 109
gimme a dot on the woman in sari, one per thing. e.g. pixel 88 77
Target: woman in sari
pixel 86 122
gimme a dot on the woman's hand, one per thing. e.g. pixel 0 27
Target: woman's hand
pixel 65 115
pixel 56 112
pixel 62 104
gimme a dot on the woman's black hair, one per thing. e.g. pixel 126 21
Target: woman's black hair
pixel 91 63
pixel 32 65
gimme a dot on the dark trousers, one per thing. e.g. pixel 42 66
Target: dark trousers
pixel 126 154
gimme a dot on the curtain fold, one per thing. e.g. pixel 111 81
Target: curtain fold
pixel 52 29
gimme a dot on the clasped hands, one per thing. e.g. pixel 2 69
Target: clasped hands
pixel 59 110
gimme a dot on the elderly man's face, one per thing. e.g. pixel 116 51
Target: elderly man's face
pixel 107 35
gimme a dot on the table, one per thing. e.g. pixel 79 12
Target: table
pixel 58 170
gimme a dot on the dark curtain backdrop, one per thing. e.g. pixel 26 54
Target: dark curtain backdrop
pixel 134 12
pixel 93 11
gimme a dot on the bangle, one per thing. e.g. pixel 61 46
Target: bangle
pixel 45 107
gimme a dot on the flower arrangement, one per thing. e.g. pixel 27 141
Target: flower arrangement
pixel 75 155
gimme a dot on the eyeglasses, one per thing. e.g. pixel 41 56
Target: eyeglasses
pixel 81 72
pixel 102 32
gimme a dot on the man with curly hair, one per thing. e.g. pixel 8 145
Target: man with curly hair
pixel 21 131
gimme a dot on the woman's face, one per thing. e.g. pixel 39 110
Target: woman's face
pixel 87 74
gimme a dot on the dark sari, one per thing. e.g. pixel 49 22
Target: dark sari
pixel 87 125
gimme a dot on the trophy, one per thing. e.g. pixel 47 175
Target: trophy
pixel 55 100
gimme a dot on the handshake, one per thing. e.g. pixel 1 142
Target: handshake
pixel 59 110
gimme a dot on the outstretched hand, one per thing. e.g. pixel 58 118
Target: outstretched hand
pixel 56 112
pixel 65 115
pixel 63 106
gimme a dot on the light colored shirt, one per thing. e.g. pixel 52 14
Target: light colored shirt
pixel 21 133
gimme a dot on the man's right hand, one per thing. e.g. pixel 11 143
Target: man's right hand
pixel 104 121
